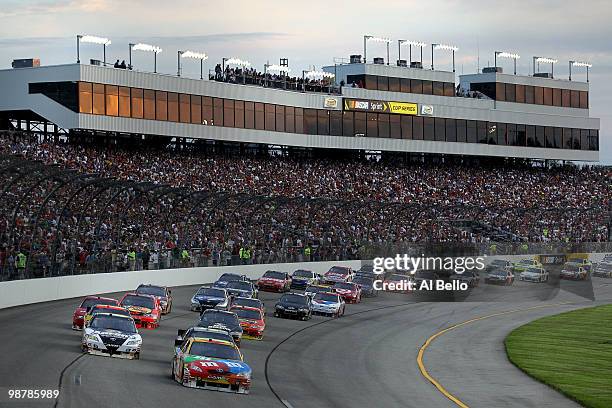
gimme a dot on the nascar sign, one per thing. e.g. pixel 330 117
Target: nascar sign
pixel 402 108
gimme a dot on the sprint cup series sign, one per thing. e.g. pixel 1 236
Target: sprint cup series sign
pixel 402 108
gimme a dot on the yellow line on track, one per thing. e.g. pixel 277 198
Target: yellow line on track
pixel 423 348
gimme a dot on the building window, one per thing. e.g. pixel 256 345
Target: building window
pixel 451 130
pixel 299 120
pixel 270 117
pixel 529 94
pixel 461 130
pixel 124 102
pixel 438 88
pixel 259 116
pixel 112 100
pixel 395 130
pixel 565 98
pixel 138 103
pixel 531 136
pixel 310 121
pixel 520 135
pixel 540 140
pixel 280 118
pixel 228 113
pixel 239 114
pixel 440 128
pixel 472 135
pixel 539 95
pixel 371 82
pixel 449 89
pixel 502 134
pixel 196 109
pixel 483 137
pixel 417 128
pixel 249 115
pixel 500 91
pixel 427 88
pixel 322 122
pixel 173 107
pixel 584 139
pixel 347 124
pixel 492 133
pixel 383 83
pixel 556 97
pixel 85 97
pixel 594 139
pixel 584 99
pixel 406 126
pixel 567 138
pixel 576 139
pixel 394 84
pixel 416 86
pixel 98 100
pixel 575 96
pixel 372 119
pixel 149 104
pixel 548 96
pixel 405 85
pixel 360 123
pixel 161 105
pixel 520 93
pixel 289 119
pixel 428 129
pixel 184 108
pixel 207 110
pixel 335 123
pixel 383 125
pixel 549 136
pixel 513 139
pixel 510 93
pixel 558 137
pixel 217 112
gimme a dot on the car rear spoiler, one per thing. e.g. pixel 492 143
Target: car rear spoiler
pixel 181 332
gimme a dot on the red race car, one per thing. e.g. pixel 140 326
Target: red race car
pixel 274 281
pixel 350 292
pixel 145 309
pixel 251 320
pixel 79 314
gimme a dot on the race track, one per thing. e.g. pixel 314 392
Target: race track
pixel 366 359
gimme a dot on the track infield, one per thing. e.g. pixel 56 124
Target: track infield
pixel 571 352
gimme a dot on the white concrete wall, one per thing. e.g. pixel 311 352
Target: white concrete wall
pixel 23 292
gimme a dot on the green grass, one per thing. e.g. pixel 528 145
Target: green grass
pixel 571 352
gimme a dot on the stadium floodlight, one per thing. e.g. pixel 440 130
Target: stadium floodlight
pixel 147 48
pixel 587 65
pixel 236 61
pixel 545 60
pixel 276 68
pixel 443 47
pixel 195 55
pixel 314 74
pixel 418 44
pixel 503 54
pixel 93 40
pixel 367 38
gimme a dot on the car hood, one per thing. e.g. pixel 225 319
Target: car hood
pixel 138 309
pixel 222 326
pixel 325 303
pixel 216 366
pixel 206 298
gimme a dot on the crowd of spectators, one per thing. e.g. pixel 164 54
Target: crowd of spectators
pixel 123 208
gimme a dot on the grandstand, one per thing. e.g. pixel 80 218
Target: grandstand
pixel 107 169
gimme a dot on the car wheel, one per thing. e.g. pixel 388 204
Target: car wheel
pixel 137 356
pixel 275 314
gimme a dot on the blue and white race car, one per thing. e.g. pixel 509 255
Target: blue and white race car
pixel 328 304
pixel 210 298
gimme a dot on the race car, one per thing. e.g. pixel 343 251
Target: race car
pixel 399 283
pixel 162 293
pixel 78 316
pixel 574 271
pixel 302 278
pixel 312 290
pixel 470 277
pixel 604 267
pixel 338 274
pixel 113 335
pixel 227 278
pixel 197 331
pixel 251 320
pixel 366 284
pixel 93 310
pixel 351 292
pixel 249 302
pixel 274 281
pixel 500 277
pixel 328 304
pixel 498 264
pixel 212 364
pixel 524 264
pixel 210 298
pixel 583 262
pixel 424 275
pixel 534 274
pixel 144 309
pixel 242 288
pixel 222 320
pixel 293 305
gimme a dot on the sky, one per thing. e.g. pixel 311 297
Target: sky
pixel 313 33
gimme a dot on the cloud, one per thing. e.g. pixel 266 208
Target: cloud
pixel 25 8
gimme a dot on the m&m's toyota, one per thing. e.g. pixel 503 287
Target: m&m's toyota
pixel 211 364
pixel 274 281
pixel 78 317
pixel 338 274
pixel 144 309
pixel 112 335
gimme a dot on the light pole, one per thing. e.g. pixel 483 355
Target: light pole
pixel 367 38
pixel 545 60
pixel 239 62
pixel 503 54
pixel 94 40
pixel 442 47
pixel 147 48
pixel 365 47
pixel 587 65
pixel 195 55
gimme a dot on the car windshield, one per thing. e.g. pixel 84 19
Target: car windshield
pixel 326 297
pixel 498 262
pixel 228 277
pixel 526 262
pixel 212 292
pixel 121 312
pixel 242 285
pixel 274 275
pixel 466 273
pixel 498 273
pixel 141 301
pixel 212 316
pixel 363 281
pixel 209 334
pixel 344 285
pixel 247 302
pixel 532 270
pixel 302 274
pixel 151 290
pixel 214 350
pixel 571 267
pixel 366 268
pixel 425 275
pixel 576 260
pixel 290 298
pixel 106 322
pixel 397 278
pixel 315 289
pixel 247 314
pixel 338 269
pixel 92 302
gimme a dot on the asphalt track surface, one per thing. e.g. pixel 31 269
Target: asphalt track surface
pixel 366 359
